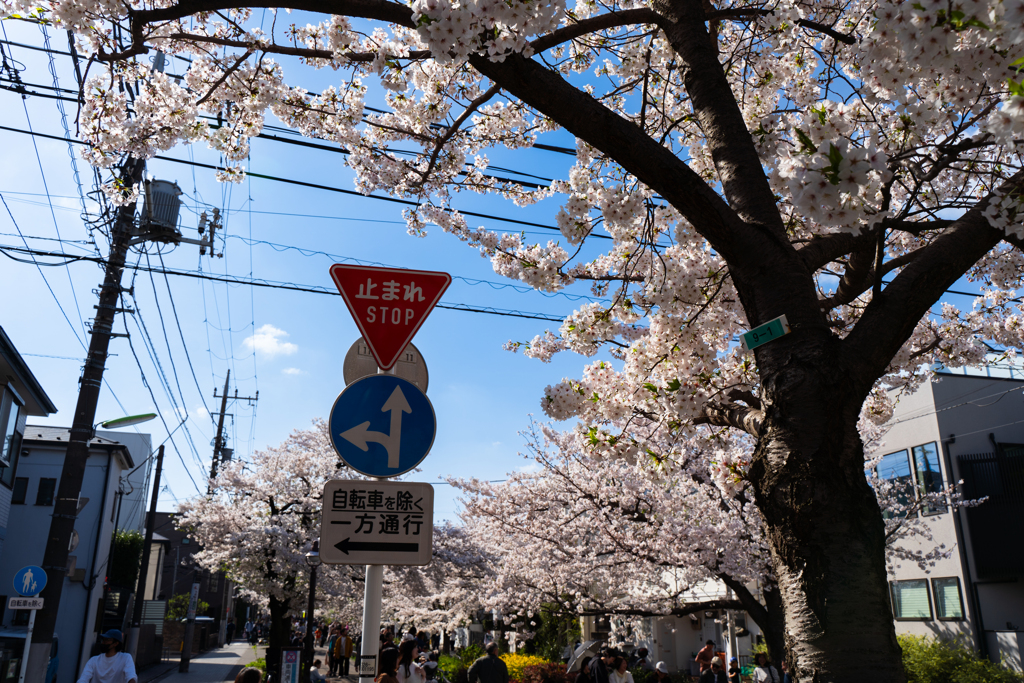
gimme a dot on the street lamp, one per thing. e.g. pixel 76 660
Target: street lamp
pixel 313 560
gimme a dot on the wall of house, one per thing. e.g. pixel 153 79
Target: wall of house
pixel 27 533
pixel 135 482
pixel 915 422
pixel 5 493
pixel 978 410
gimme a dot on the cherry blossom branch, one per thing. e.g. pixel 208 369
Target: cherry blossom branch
pixel 304 52
pixel 454 128
pixel 729 414
pixel 224 77
pixel 744 13
pixel 889 320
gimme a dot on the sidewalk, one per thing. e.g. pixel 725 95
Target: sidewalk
pixel 214 666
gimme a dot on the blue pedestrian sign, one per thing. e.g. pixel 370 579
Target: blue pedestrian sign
pixel 382 426
pixel 30 580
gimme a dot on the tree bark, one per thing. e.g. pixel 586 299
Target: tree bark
pixel 823 522
pixel 279 633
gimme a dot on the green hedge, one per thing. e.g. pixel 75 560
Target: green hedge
pixel 928 660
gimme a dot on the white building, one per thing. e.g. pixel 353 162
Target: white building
pixel 80 614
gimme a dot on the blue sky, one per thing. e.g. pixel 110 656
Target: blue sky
pixel 482 395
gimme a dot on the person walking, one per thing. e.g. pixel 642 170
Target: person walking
pixel 705 655
pixel 715 673
pixel 620 671
pixel 111 665
pixel 765 672
pixel 408 670
pixel 229 631
pixel 489 668
pixel 388 667
pixel 347 647
pixel 735 675
pixel 249 674
pixel 332 659
pixel 598 667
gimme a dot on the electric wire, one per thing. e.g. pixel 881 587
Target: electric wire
pixel 53 215
pixel 181 334
pixel 312 289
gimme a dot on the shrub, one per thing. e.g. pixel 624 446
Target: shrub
pixel 177 607
pixel 260 664
pixel 546 673
pixel 928 660
pixel 516 663
pixel 470 654
pixel 125 557
pixel 451 668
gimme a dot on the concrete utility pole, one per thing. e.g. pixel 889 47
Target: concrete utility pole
pixel 219 441
pixel 133 636
pixel 65 506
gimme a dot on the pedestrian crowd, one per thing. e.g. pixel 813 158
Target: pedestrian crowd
pixel 611 665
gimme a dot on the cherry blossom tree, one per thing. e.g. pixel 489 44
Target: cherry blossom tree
pixel 839 163
pixel 588 534
pixel 261 520
pixel 448 592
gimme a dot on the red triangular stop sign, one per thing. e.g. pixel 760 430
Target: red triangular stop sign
pixel 389 304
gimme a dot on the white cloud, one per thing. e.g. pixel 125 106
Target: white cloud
pixel 293 371
pixel 269 342
pixel 529 469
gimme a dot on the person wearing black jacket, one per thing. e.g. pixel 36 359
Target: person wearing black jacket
pixel 599 666
pixel 715 673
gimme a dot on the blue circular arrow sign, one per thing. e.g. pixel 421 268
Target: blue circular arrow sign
pixel 30 580
pixel 382 426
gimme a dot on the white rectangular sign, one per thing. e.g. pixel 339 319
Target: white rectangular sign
pixel 377 522
pixel 25 603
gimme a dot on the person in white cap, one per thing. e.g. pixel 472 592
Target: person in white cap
pixel 111 665
pixel 716 674
pixel 661 672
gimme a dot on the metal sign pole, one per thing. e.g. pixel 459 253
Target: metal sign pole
pixel 371 623
pixel 28 641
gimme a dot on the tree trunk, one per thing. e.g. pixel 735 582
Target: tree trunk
pixel 823 522
pixel 279 635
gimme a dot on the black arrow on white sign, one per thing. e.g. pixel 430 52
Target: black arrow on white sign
pixel 355 546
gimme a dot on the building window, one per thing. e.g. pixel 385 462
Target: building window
pixel 911 601
pixel 20 491
pixel 20 617
pixel 929 476
pixel 46 489
pixel 949 603
pixel 913 474
pixel 10 447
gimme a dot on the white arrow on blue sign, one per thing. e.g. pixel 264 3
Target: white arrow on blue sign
pixel 382 426
pixel 30 580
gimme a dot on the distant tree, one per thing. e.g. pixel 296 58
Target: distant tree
pixel 261 520
pixel 177 607
pixel 126 558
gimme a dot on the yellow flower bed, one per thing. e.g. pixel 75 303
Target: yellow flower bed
pixel 516 663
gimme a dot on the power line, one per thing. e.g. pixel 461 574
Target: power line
pixel 312 289
pixel 177 322
pixel 328 188
pixel 522 289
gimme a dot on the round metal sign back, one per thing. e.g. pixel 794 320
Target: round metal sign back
pixel 359 363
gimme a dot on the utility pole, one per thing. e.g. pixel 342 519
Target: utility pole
pixel 65 507
pixel 133 636
pixel 219 442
